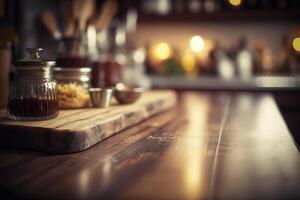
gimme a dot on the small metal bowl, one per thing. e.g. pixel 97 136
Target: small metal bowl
pixel 101 97
pixel 127 95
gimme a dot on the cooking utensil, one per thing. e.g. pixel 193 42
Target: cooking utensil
pixel 66 7
pixel 83 10
pixel 101 97
pixel 108 10
pixel 49 20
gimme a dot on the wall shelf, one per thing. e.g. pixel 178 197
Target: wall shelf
pixel 232 15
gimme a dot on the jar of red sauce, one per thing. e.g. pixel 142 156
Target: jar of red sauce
pixel 106 73
pixel 33 92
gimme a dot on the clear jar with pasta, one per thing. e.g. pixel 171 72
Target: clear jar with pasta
pixel 72 88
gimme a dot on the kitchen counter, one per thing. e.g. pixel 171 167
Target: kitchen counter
pixel 257 83
pixel 215 145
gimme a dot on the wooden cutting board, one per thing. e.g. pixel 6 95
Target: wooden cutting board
pixel 78 129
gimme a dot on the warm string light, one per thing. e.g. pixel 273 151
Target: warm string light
pixel 296 44
pixel 197 51
pixel 162 51
pixel 188 62
pixel 235 2
pixel 197 43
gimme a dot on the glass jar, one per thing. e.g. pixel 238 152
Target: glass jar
pixel 73 84
pixel 80 76
pixel 33 94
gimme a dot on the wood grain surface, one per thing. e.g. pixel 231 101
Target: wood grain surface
pixel 213 146
pixel 79 129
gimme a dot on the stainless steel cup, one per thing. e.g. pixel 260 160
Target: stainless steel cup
pixel 101 97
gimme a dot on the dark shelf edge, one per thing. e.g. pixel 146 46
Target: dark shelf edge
pixel 221 16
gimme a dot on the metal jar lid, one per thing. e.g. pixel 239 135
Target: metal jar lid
pixel 34 59
pixel 72 74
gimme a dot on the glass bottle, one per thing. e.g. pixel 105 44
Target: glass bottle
pixel 98 59
pixel 72 53
pixel 33 94
pixel 107 71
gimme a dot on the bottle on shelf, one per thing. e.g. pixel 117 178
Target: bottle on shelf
pixel 225 65
pixel 209 6
pixel 195 6
pixel 283 57
pixel 262 59
pixel 244 60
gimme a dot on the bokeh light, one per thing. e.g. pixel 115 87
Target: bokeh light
pixel 296 44
pixel 235 2
pixel 197 43
pixel 162 51
pixel 188 62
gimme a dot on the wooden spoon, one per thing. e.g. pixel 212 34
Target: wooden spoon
pixel 49 20
pixel 83 10
pixel 66 7
pixel 108 11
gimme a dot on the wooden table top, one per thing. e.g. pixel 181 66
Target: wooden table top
pixel 214 146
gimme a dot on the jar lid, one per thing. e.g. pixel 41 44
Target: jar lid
pixel 72 74
pixel 34 59
pixel 69 69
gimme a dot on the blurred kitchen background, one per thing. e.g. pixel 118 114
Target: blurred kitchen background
pixel 232 45
pixel 180 43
